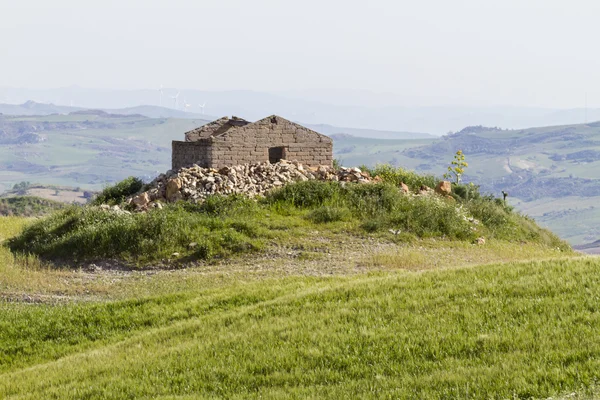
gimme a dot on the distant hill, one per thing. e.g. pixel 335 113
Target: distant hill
pixel 590 248
pixel 551 173
pixel 32 108
pixel 362 110
pixel 555 161
pixel 158 112
pixel 86 149
pixel 367 133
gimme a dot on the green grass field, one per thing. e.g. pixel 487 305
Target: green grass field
pixel 511 330
pixel 328 304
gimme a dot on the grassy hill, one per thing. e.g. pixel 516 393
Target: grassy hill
pixel 323 308
pixel 223 226
pixel 554 166
pixel 523 330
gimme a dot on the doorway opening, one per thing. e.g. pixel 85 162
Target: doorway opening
pixel 276 154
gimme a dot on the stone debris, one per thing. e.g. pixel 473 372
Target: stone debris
pixel 196 184
pixel 354 175
pixel 141 200
pixel 444 188
pixel 115 209
pixel 425 190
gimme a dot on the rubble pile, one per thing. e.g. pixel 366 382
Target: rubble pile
pixel 196 183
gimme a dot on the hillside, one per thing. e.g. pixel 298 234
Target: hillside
pixel 85 149
pixel 323 337
pixel 551 173
pixel 320 289
pixel 367 133
pixel 28 206
pixel 590 248
pixel 52 193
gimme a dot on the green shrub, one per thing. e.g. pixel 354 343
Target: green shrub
pixel 222 205
pixel 379 207
pixel 396 176
pixel 371 200
pixel 325 214
pixel 466 192
pixel 431 216
pixel 88 233
pixel 305 194
pixel 337 164
pixel 373 225
pixel 117 193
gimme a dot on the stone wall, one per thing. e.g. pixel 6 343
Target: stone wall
pixel 217 127
pixel 251 143
pixel 185 154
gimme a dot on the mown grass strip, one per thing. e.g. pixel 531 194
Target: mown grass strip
pixel 520 330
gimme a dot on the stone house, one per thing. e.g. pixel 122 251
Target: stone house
pixel 233 141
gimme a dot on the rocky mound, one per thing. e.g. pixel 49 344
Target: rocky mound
pixel 196 183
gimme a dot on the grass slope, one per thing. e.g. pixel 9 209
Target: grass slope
pixel 556 165
pixel 520 330
pixel 28 206
pixel 228 226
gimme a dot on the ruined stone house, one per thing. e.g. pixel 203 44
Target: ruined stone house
pixel 233 141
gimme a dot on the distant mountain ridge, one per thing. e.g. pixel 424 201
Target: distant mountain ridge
pixel 377 112
pixel 31 108
pixel 330 130
pixel 34 108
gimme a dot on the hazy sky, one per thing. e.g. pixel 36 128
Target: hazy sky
pixel 428 52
